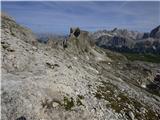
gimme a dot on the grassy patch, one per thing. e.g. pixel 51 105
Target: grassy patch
pixel 154 58
pixel 68 103
pixel 122 103
pixel 116 56
pixel 79 103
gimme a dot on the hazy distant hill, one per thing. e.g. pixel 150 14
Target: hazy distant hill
pixel 44 37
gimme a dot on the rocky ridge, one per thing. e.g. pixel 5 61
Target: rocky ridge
pixel 80 81
pixel 123 40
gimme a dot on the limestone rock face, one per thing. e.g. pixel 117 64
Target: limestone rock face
pixel 81 43
pixel 79 39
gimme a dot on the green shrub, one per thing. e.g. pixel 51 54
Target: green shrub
pixel 154 58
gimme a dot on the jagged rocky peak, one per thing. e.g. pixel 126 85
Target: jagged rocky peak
pixel 80 42
pixel 155 33
pixel 78 33
pixel 75 32
pixel 79 39
pixel 123 40
pixel 9 26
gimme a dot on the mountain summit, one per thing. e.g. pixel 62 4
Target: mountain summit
pixel 122 40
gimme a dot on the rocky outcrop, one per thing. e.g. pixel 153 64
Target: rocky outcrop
pixel 81 43
pixel 79 39
pixel 154 86
pixel 155 33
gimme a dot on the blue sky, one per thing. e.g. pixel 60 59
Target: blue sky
pixel 58 17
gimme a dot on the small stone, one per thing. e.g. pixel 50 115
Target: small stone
pixel 131 115
pixel 75 58
pixel 52 66
pixel 55 104
pixel 34 48
pixel 119 98
pixel 143 86
pixel 143 110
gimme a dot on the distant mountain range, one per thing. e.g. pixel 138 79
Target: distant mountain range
pixel 122 40
pixel 44 37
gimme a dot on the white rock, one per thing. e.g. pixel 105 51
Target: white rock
pixel 131 115
pixel 143 85
pixel 75 58
pixel 55 104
